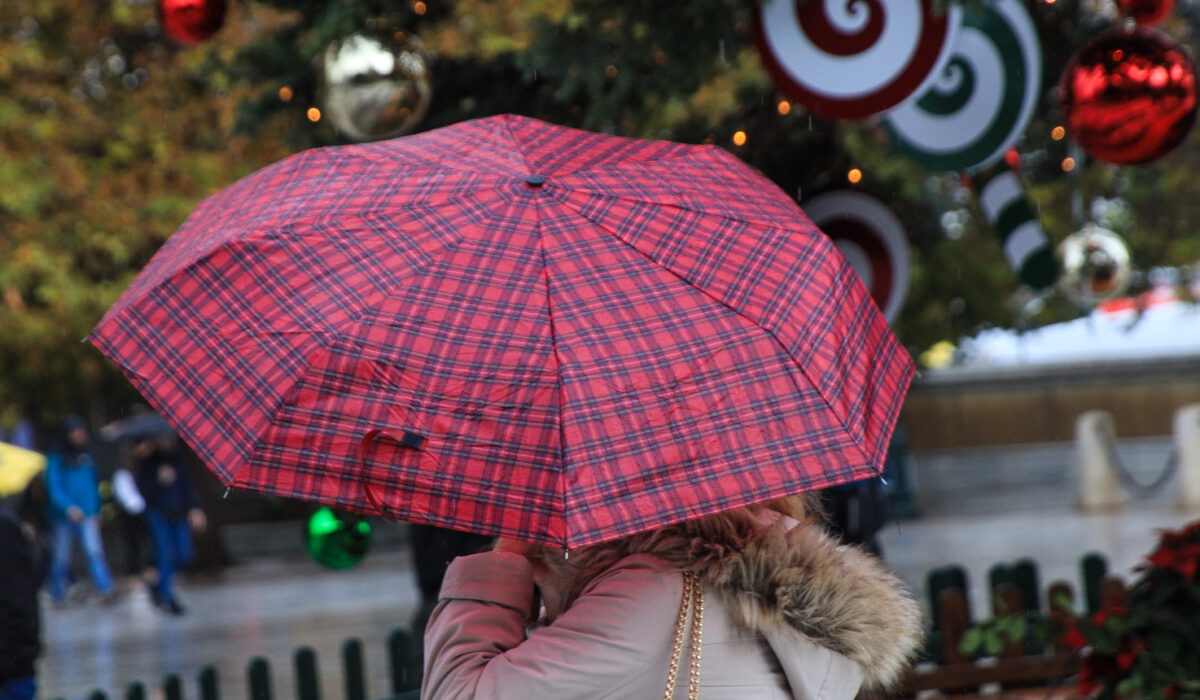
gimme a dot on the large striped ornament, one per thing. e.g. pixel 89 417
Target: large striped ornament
pixel 872 240
pixel 849 59
pixel 982 101
pixel 1011 215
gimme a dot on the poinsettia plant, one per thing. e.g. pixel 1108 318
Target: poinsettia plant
pixel 1149 647
pixel 1145 648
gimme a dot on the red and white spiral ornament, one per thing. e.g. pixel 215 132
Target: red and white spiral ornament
pixel 872 240
pixel 849 59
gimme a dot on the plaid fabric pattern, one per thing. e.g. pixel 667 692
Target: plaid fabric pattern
pixel 420 329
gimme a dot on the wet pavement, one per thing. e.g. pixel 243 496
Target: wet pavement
pixel 277 600
pixel 265 607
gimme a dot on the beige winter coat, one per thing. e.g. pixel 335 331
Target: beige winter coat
pixel 791 615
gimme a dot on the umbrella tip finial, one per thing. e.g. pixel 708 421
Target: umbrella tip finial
pixel 535 180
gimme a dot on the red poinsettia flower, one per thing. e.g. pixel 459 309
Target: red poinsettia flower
pixel 1125 660
pixel 1074 639
pixel 1182 559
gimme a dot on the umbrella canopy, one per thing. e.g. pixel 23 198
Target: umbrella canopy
pixel 18 466
pixel 144 426
pixel 513 328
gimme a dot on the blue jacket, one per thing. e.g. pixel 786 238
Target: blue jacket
pixel 71 481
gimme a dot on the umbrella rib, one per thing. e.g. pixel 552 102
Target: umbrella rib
pixel 858 442
pixel 561 495
pixel 666 184
pixel 518 147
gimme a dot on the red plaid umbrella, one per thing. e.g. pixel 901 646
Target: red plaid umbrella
pixel 513 328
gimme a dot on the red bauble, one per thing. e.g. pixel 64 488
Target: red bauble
pixel 1146 12
pixel 1129 96
pixel 191 21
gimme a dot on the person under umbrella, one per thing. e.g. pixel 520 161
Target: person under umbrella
pixel 772 605
pixel 522 330
pixel 172 512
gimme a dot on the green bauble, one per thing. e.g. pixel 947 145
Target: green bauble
pixel 337 540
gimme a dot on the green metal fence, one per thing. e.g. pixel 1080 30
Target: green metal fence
pixel 403 657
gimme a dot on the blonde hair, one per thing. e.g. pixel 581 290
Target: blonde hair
pixel 691 545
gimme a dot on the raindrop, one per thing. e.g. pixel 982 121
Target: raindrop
pixel 129 81
pixel 721 50
pixel 97 91
pixel 47 104
pixel 810 122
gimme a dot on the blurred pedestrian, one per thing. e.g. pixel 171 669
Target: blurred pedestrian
pixel 74 500
pixel 33 509
pixel 433 549
pixel 172 512
pixel 131 509
pixel 20 578
pixel 776 607
pixel 857 511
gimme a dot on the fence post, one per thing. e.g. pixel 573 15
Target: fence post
pixel 98 695
pixel 173 687
pixel 1060 602
pixel 1095 567
pixel 952 611
pixel 352 664
pixel 208 684
pixel 259 676
pixel 1025 575
pixel 307 687
pixel 135 691
pixel 404 661
pixel 1187 448
pixel 1098 487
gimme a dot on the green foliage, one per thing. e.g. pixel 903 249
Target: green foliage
pixel 108 137
pixel 989 637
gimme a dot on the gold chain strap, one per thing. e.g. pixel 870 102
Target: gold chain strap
pixel 693 597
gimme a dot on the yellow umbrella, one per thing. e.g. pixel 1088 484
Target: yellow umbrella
pixel 17 466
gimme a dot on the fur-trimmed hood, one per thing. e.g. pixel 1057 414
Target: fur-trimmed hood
pixel 833 595
pixel 775 575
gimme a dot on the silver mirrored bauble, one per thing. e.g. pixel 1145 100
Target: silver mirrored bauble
pixel 375 86
pixel 1095 265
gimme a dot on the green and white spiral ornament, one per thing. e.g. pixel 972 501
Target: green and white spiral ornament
pixel 1011 215
pixel 983 100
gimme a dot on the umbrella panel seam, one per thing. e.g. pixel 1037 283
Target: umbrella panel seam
pixel 799 365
